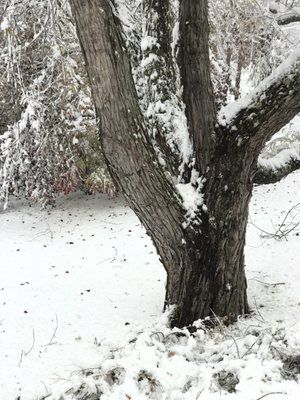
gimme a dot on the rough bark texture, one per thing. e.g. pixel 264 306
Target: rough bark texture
pixel 274 105
pixel 195 70
pixel 205 261
pixel 127 148
pixel 159 27
pixel 163 86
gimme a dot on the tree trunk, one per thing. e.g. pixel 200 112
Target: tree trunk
pixel 211 278
pixel 203 257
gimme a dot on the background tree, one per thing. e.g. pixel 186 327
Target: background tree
pixel 243 40
pixel 47 131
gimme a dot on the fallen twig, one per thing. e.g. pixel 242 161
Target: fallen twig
pixel 32 346
pixel 54 333
pixel 269 394
pixel 25 353
pixel 267 283
pixel 283 230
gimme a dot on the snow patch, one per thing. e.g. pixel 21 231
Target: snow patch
pixel 4 24
pixel 192 197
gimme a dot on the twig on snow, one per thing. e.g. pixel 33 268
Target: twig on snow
pixel 110 259
pixel 250 348
pixel 54 333
pixel 226 334
pixel 21 358
pixel 199 394
pixel 269 394
pixel 25 353
pixel 258 312
pixel 32 346
pixel 47 391
pixel 267 283
pixel 283 229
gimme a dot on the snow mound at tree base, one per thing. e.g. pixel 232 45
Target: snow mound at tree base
pixel 249 360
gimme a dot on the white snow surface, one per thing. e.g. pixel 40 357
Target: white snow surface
pixel 81 295
pixel 4 24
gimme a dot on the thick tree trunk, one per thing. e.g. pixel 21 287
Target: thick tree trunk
pixel 204 260
pixel 211 280
pixel 204 267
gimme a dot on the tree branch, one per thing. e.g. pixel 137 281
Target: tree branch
pixel 264 176
pixel 288 19
pixel 255 118
pixel 161 87
pixel 194 64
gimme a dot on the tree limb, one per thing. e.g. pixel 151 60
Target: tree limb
pixel 288 19
pixel 254 119
pixel 195 73
pixel 264 176
pixel 160 77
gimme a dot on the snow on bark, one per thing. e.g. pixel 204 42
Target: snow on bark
pixel 156 77
pixel 281 155
pixel 192 198
pixel 285 74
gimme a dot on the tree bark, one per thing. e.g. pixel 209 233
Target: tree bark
pixel 264 176
pixel 161 77
pixel 204 259
pixel 288 19
pixel 256 118
pixel 194 63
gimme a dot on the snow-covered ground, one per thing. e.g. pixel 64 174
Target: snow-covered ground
pixel 81 294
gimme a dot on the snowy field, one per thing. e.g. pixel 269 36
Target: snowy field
pixel 81 294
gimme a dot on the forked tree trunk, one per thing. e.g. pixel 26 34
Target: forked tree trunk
pixel 204 261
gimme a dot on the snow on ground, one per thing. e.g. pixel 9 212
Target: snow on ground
pixel 81 294
pixel 86 262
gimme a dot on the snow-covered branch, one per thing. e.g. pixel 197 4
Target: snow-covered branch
pixel 288 19
pixel 265 175
pixel 259 115
pixel 281 155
